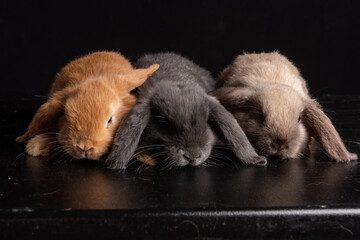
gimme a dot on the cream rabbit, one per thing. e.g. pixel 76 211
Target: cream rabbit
pixel 270 100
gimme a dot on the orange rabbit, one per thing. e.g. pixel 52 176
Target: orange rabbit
pixel 88 100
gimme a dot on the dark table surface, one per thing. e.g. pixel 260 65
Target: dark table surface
pixel 311 198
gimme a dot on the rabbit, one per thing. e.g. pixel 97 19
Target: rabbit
pixel 271 102
pixel 176 120
pixel 88 100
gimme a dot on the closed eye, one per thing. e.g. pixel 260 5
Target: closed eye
pixel 159 118
pixel 163 123
pixel 262 116
pixel 109 122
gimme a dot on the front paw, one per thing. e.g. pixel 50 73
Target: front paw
pixel 38 146
pixel 353 157
pixel 257 160
pixel 348 157
pixel 145 158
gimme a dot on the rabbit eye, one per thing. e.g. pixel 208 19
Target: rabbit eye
pixel 160 118
pixel 262 116
pixel 109 122
pixel 163 120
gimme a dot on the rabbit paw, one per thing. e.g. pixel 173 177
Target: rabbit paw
pixel 145 158
pixel 353 156
pixel 38 146
pixel 348 158
pixel 257 160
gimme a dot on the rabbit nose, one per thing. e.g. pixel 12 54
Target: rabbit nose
pixel 186 156
pixel 274 146
pixel 278 145
pixel 83 150
pixel 192 156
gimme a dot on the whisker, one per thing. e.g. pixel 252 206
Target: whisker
pixel 131 162
pixel 221 157
pixel 61 160
pixel 152 145
pixel 165 164
pixel 40 96
pixel 21 154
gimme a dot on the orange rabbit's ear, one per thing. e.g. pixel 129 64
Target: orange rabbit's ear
pixel 45 118
pixel 136 77
pixel 321 128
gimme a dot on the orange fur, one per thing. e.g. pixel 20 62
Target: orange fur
pixel 85 95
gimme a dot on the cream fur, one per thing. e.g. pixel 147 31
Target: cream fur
pixel 269 85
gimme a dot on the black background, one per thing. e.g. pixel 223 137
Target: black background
pixel 320 37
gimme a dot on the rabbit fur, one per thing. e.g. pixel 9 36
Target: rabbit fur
pixel 271 102
pixel 175 120
pixel 87 102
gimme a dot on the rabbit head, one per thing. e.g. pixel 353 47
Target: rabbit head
pixel 92 114
pixel 271 118
pixel 178 122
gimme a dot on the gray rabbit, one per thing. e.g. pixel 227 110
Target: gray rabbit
pixel 176 118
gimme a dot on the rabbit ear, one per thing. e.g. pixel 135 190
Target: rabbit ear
pixel 232 97
pixel 46 117
pixel 229 132
pixel 320 127
pixel 127 136
pixel 135 78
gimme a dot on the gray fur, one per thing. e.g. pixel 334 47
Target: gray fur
pixel 176 119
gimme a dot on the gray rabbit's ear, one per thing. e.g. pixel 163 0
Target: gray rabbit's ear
pixel 232 98
pixel 127 136
pixel 229 132
pixel 320 127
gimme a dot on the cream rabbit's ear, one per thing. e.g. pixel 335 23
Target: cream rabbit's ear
pixel 135 78
pixel 321 128
pixel 45 118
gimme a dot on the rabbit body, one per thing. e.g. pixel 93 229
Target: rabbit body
pixel 270 100
pixel 176 121
pixel 87 101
